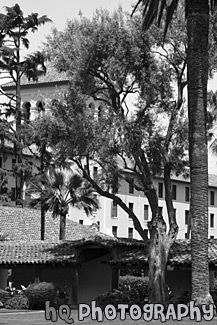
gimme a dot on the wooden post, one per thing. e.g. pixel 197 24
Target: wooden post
pixel 75 288
pixel 37 273
pixel 115 278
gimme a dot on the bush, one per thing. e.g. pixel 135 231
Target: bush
pixel 132 290
pixel 39 293
pixel 135 287
pixel 184 298
pixel 113 297
pixel 17 302
pixel 4 296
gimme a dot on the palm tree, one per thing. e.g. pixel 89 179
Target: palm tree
pixel 14 28
pixel 197 15
pixel 57 189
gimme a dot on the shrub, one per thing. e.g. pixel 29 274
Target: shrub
pixel 184 298
pixel 39 293
pixel 113 297
pixel 4 296
pixel 135 287
pixel 132 290
pixel 17 302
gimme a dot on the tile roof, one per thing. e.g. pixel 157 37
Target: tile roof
pixel 180 255
pixel 52 75
pixel 25 224
pixel 23 245
pixel 37 252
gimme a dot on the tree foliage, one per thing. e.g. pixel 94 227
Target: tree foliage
pixel 14 30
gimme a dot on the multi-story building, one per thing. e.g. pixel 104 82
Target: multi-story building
pixel 111 218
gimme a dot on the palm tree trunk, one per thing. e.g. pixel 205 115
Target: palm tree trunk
pixel 197 64
pixel 62 233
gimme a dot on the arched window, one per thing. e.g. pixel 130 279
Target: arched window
pixel 92 106
pixel 26 111
pixel 100 111
pixel 41 106
pixel 54 102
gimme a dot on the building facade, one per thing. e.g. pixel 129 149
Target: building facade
pixel 111 219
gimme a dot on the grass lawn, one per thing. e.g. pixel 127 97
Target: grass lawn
pixel 38 318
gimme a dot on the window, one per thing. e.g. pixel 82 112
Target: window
pixel 13 163
pixel 212 198
pixel 186 235
pixel 212 237
pixel 114 210
pixel 130 232
pixel 0 162
pixel 115 230
pixel 99 112
pixel 160 211
pixel 131 186
pixel 98 223
pixel 186 217
pixel 160 190
pixel 174 192
pixel 26 111
pixel 81 222
pixel 95 172
pixel 211 220
pixel 145 212
pixel 187 194
pixel 131 208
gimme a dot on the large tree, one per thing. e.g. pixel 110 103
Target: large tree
pixel 197 16
pixel 14 29
pixel 108 58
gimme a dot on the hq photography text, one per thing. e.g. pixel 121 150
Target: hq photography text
pixel 146 313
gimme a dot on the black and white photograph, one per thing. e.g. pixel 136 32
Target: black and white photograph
pixel 108 162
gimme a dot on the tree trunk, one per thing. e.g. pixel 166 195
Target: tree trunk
pixel 42 208
pixel 62 233
pixel 158 254
pixel 18 145
pixel 197 64
pixel 42 222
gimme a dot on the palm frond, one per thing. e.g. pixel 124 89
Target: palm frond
pixel 33 21
pixel 169 15
pixel 25 42
pixel 33 66
pixel 162 8
pixel 75 181
pixel 153 11
pixel 57 179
